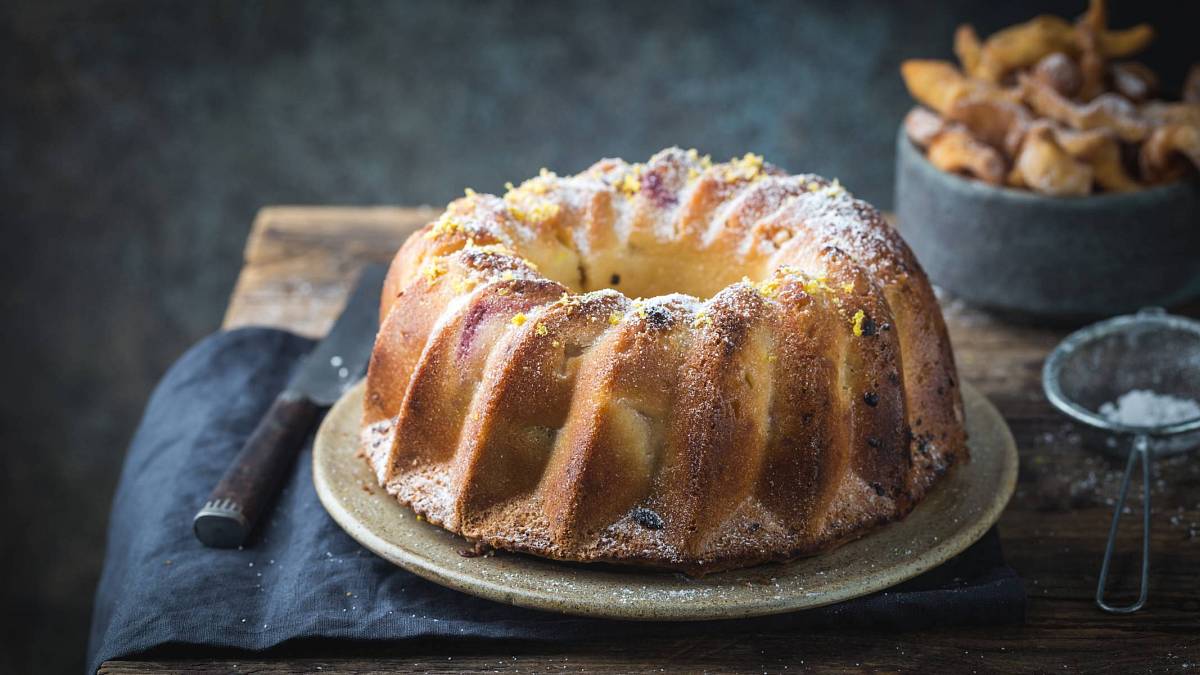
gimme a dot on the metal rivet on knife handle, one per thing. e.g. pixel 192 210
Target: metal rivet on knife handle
pixel 220 524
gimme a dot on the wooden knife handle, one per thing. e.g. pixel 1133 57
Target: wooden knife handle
pixel 252 481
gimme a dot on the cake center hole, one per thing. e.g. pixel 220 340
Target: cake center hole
pixel 646 272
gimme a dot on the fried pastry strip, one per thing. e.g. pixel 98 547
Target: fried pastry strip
pixel 1045 167
pixel 967 48
pixel 1133 80
pixel 955 150
pixel 1105 111
pixel 1113 43
pixel 1023 45
pixel 938 84
pixel 1059 72
pixel 1166 153
pixel 1100 149
pixel 923 125
pixel 994 120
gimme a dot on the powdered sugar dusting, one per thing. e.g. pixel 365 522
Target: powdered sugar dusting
pixel 1144 408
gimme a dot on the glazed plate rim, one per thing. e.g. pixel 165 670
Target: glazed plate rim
pixel 958 510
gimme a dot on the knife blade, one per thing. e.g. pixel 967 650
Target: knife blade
pixel 250 484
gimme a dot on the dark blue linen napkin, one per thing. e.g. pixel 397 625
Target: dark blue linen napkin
pixel 302 577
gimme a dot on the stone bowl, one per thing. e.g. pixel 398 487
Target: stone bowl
pixel 1063 259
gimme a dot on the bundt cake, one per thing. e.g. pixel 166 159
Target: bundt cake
pixel 782 382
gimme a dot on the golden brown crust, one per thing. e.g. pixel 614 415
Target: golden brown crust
pixel 516 399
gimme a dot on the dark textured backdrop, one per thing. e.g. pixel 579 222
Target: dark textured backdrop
pixel 138 139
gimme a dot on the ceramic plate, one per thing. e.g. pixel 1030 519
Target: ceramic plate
pixel 956 513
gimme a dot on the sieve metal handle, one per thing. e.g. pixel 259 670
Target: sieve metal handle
pixel 1141 447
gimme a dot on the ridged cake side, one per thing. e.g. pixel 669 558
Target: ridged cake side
pixel 514 398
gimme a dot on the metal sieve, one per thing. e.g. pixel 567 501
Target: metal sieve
pixel 1150 350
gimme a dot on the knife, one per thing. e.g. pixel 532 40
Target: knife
pixel 257 473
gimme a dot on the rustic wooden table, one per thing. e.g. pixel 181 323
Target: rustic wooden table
pixel 300 262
